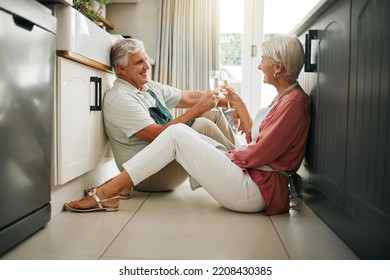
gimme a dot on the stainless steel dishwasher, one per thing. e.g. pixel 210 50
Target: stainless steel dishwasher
pixel 27 69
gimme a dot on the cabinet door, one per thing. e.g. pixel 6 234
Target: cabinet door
pixel 74 145
pixel 328 88
pixel 99 138
pixel 367 174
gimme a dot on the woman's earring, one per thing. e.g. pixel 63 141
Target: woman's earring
pixel 276 75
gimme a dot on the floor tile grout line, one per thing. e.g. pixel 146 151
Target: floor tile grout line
pixel 120 231
pixel 281 241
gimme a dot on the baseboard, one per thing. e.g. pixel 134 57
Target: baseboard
pixel 74 189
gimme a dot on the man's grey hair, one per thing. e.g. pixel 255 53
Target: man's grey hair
pixel 121 50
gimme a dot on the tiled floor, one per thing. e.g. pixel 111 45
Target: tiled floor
pixel 182 225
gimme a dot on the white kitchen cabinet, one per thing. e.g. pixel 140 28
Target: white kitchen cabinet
pixel 81 141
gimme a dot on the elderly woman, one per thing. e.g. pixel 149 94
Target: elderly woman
pixel 250 179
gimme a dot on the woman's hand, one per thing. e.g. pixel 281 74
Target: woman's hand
pixel 233 98
pixel 241 116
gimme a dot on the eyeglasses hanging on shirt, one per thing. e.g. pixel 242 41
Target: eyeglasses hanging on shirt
pixel 160 113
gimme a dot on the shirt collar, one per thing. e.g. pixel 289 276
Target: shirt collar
pixel 130 86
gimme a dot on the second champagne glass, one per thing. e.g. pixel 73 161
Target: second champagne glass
pixel 214 77
pixel 214 80
pixel 225 82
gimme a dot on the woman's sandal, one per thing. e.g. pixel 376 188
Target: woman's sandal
pixel 100 207
pixel 121 196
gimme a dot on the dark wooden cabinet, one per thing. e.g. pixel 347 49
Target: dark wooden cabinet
pixel 367 182
pixel 330 102
pixel 347 164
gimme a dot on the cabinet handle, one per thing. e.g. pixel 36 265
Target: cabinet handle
pixel 312 35
pixel 98 94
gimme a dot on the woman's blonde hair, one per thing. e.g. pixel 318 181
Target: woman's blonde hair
pixel 121 50
pixel 288 50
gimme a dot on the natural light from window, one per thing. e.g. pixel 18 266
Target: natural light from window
pixel 280 16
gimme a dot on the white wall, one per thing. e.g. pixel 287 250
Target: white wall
pixel 137 20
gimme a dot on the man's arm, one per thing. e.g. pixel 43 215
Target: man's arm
pixel 190 98
pixel 198 102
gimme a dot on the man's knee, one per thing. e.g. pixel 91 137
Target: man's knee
pixel 214 116
pixel 203 125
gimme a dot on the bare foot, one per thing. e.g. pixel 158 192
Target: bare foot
pixel 125 194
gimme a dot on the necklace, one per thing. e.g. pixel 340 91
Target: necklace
pixel 286 91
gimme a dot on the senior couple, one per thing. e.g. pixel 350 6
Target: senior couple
pixel 155 152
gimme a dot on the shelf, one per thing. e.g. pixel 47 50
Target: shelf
pixel 105 21
pixel 101 19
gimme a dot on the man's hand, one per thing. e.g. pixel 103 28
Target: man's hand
pixel 206 102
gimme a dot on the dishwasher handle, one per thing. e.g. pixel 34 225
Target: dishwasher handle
pixel 30 14
pixel 23 23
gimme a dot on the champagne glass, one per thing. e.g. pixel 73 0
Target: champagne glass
pixel 225 82
pixel 214 78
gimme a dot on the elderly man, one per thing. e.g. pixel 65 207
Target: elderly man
pixel 136 111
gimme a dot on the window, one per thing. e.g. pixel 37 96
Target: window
pixel 243 25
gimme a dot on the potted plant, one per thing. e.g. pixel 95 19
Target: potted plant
pixel 84 6
pixel 99 5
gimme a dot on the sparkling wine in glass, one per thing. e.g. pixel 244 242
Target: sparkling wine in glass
pixel 225 82
pixel 214 83
pixel 214 80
